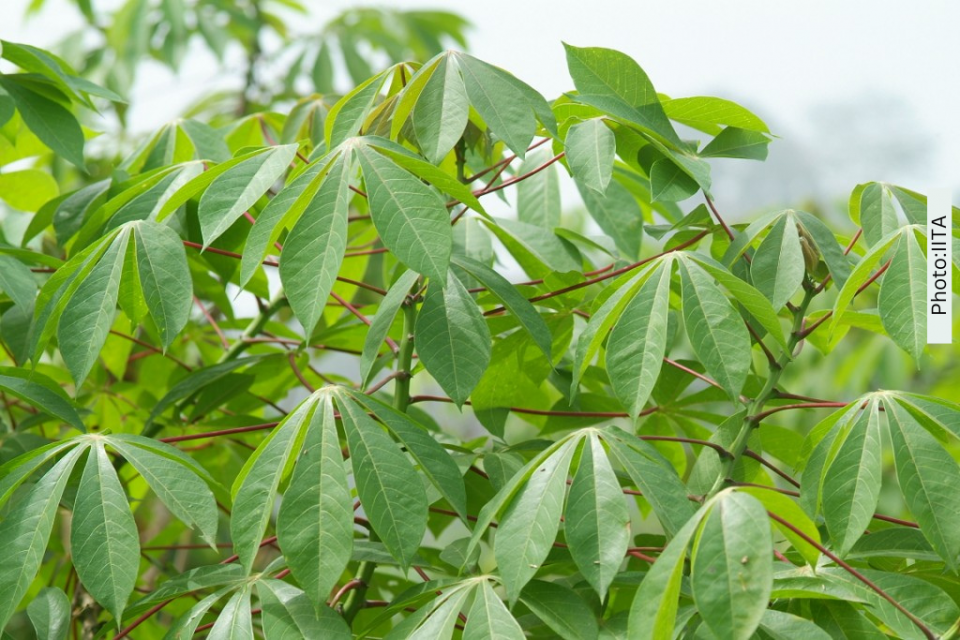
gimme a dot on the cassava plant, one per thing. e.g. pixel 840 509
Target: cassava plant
pixel 290 377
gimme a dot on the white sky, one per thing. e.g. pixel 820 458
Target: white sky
pixel 895 60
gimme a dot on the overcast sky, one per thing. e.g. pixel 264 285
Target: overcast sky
pixel 857 90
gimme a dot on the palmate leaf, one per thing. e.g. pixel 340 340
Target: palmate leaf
pixel 777 268
pixel 50 613
pixel 441 111
pixel 590 148
pixel 390 491
pixel 315 523
pixel 538 197
pixel 50 121
pixel 164 276
pixel 235 622
pixel 452 338
pixel 288 614
pixel 381 323
pixel 876 213
pixel 617 213
pixel 561 609
pixel 489 619
pixel 410 216
pixel 41 392
pixel 903 296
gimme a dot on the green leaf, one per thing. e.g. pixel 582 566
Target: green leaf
pixel 165 278
pixel 17 281
pixel 50 613
pixel 347 116
pixel 561 609
pixel 410 216
pixel 671 182
pixel 433 459
pixel 638 341
pixel 654 610
pixel 903 296
pixel 878 217
pixel 452 338
pixel 177 485
pixel 830 249
pixel 851 483
pixel 503 105
pixel 529 526
pixel 255 488
pixel 235 622
pixel 25 531
pixel 777 268
pixel 708 113
pixel 597 521
pixel 859 276
pixel 514 302
pixel 929 481
pixel 315 524
pixel 441 111
pixel 288 613
pixel 390 491
pixel 186 624
pixel 52 123
pixel 313 252
pixel 590 147
pixel 618 215
pixel 237 189
pixel 785 626
pixel 41 392
pixel 539 253
pixel 734 142
pixel 381 323
pixel 538 197
pixel 790 511
pixel 489 619
pixel 27 189
pixel 715 329
pixel 732 566
pixel 88 315
pixel 104 541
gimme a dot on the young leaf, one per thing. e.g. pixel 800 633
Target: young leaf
pixel 638 341
pixel 390 491
pixel 877 214
pixel 313 251
pixel 489 619
pixel 777 268
pixel 410 216
pixel 590 147
pixel 88 315
pixel 929 481
pixel 732 567
pixel 903 296
pixel 25 531
pixel 715 329
pixel 236 190
pixel 529 526
pixel 441 111
pixel 165 278
pixel 452 338
pixel 597 521
pixel 315 524
pixel 104 541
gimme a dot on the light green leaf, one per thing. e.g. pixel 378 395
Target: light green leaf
pixel 777 268
pixel 830 249
pixel 860 274
pixel 390 491
pixel 441 111
pixel 411 217
pixel 187 624
pixel 289 614
pixel 489 619
pixel 929 481
pixel 539 252
pixel 618 215
pixel 48 120
pixel 597 521
pixel 25 531
pixel 590 147
pixel 638 341
pixel 851 482
pixel 27 189
pixel 903 296
pixel 313 251
pixel 237 189
pixel 732 566
pixel 381 323
pixel 255 488
pixel 165 278
pixel 715 329
pixel 734 142
pixel 538 197
pixel 178 486
pixel 790 511
pixel 235 621
pixel 452 338
pixel 346 117
pixel 500 102
pixel 41 392
pixel 561 609
pixel 17 281
pixel 88 315
pixel 104 541
pixel 315 524
pixel 707 114
pixel 529 526
pixel 50 613
pixel 878 217
pixel 514 302
pixel 785 626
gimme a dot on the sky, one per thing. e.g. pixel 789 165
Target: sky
pixel 856 90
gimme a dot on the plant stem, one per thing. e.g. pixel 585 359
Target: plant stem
pixel 401 400
pixel 754 416
pixel 277 302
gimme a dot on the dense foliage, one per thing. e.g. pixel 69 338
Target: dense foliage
pixel 270 373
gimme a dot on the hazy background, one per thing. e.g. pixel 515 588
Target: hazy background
pixel 857 91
